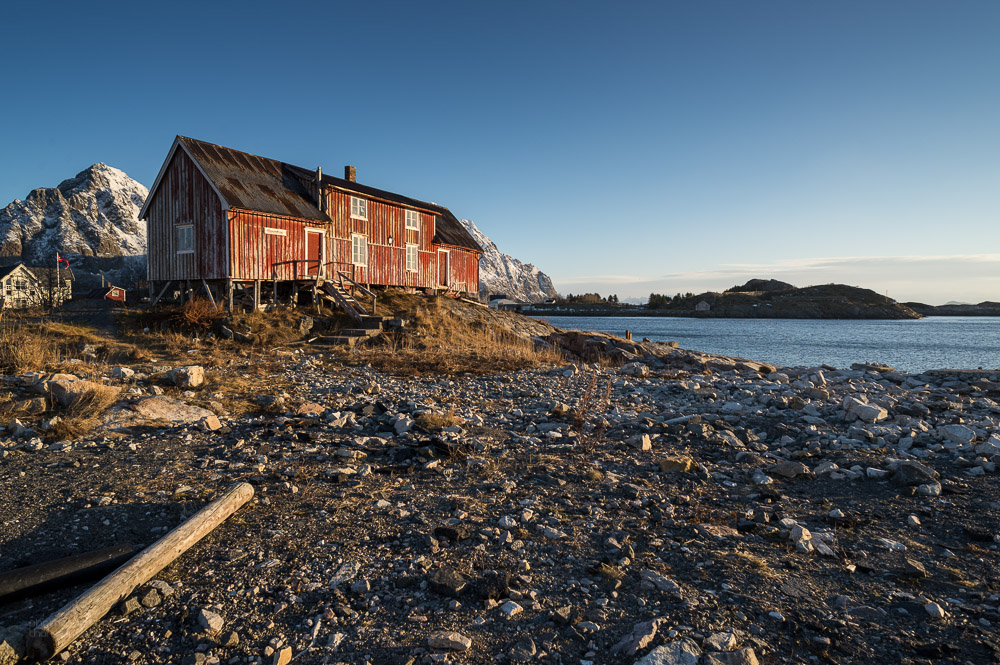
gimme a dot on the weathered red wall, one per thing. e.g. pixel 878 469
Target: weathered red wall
pixel 386 263
pixel 185 197
pixel 463 269
pixel 256 252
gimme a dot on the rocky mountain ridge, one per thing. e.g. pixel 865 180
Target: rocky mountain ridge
pixel 501 273
pixel 93 214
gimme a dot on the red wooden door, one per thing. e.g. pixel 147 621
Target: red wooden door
pixel 273 246
pixel 314 252
pixel 442 267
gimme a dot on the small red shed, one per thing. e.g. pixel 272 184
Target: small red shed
pixel 225 221
pixel 109 292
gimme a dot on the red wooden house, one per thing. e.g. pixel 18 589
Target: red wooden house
pixel 109 292
pixel 231 223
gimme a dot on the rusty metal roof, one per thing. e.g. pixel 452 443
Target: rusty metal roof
pixel 254 183
pixel 266 185
pixel 447 229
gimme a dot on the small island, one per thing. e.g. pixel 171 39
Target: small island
pixel 756 299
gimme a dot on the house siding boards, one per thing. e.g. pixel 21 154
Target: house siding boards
pixel 263 246
pixel 232 198
pixel 386 263
pixel 463 270
pixel 184 196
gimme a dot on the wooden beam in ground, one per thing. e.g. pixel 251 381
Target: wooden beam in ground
pixel 208 290
pixel 229 295
pixel 256 295
pixel 162 291
pixel 59 630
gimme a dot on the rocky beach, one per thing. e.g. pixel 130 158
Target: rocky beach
pixel 633 503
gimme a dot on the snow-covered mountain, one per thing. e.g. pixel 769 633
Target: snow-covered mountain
pixel 95 214
pixel 91 219
pixel 503 274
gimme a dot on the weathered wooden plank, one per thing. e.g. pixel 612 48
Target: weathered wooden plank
pixel 59 630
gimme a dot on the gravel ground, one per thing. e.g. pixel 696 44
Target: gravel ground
pixel 672 510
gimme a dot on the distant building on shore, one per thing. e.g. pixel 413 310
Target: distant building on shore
pixel 702 307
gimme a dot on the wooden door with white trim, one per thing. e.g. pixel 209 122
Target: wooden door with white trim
pixel 443 267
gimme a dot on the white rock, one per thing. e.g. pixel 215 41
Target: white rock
pixel 187 377
pixel 930 489
pixel 957 433
pixel 449 640
pixel 935 611
pixel 510 608
pixel 680 652
pixel 210 621
pixel 552 534
pixel 662 583
pixel 990 447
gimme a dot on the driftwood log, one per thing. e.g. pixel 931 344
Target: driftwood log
pixel 59 630
pixel 62 572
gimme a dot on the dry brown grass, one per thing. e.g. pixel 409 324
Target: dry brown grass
pixel 84 413
pixel 24 347
pixel 431 420
pixel 439 341
pixel 588 416
pixel 197 314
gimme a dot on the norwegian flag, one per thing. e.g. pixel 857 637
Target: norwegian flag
pixel 61 260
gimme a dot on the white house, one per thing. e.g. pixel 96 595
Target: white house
pixel 22 287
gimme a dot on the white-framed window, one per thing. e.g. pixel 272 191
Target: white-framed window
pixel 412 219
pixel 359 208
pixel 185 239
pixel 271 231
pixel 359 249
pixel 411 258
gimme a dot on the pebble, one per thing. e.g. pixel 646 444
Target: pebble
pixel 510 608
pixel 449 640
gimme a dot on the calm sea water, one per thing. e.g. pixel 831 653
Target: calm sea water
pixel 953 342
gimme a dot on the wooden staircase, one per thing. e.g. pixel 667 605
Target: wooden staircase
pixel 344 299
pixel 369 324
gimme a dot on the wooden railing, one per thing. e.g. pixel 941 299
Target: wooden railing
pixel 359 287
pixel 305 274
pixel 322 269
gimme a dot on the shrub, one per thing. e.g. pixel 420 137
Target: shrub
pixel 84 413
pixel 198 314
pixel 24 348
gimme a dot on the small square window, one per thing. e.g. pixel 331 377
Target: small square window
pixel 412 219
pixel 359 250
pixel 185 239
pixel 411 258
pixel 359 208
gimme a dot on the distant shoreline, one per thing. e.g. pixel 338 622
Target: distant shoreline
pixel 692 315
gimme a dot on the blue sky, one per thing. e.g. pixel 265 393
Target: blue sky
pixel 626 148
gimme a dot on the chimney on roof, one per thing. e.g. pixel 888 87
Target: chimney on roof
pixel 319 189
pixel 350 174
